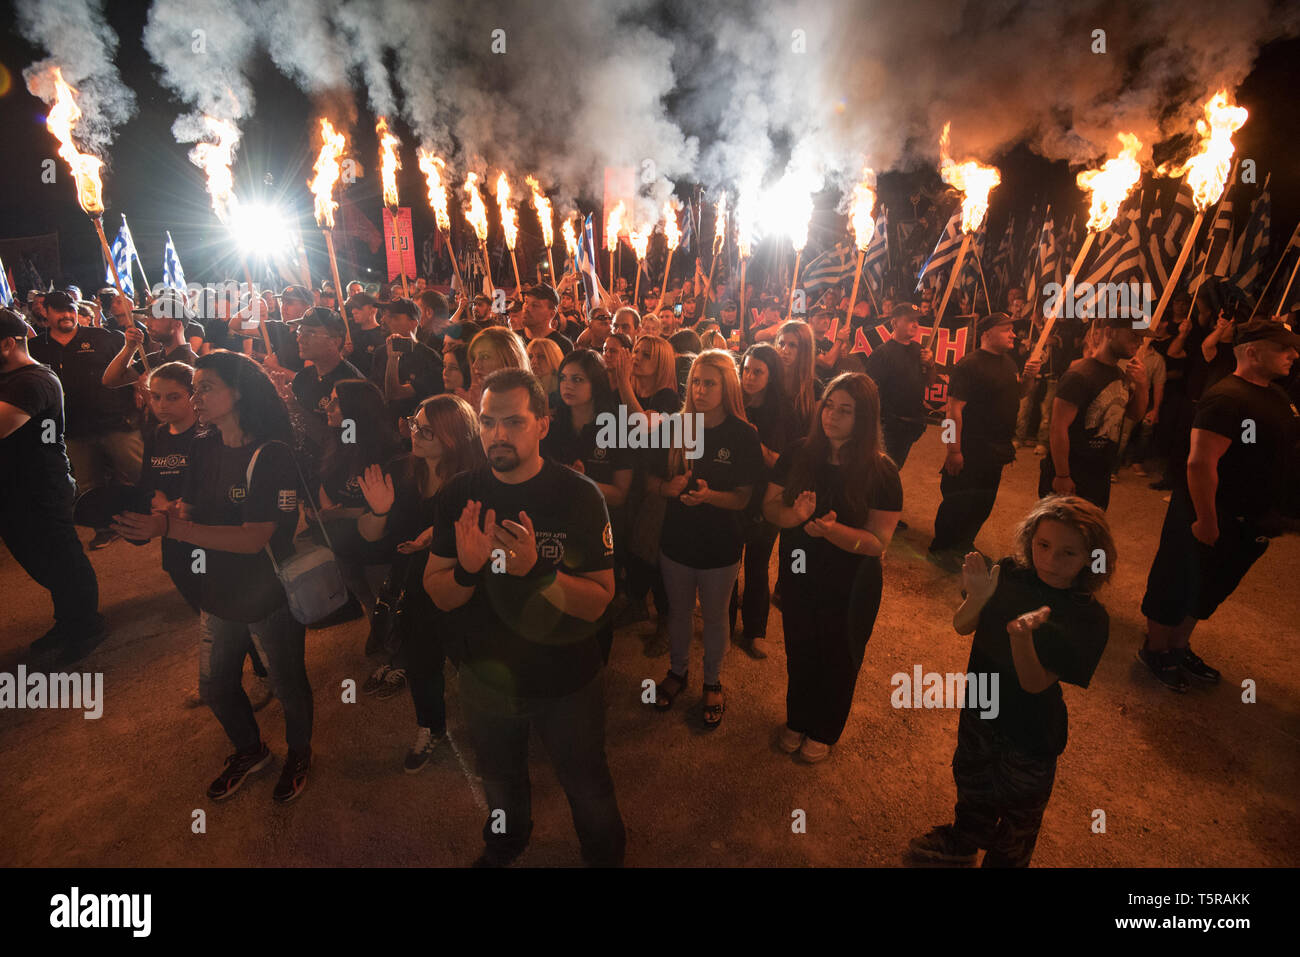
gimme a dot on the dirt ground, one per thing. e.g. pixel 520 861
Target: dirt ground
pixel 1195 780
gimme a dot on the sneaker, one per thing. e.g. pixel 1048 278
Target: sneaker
pixel 1191 663
pixel 949 560
pixel 261 693
pixel 376 680
pixel 293 778
pixel 1040 449
pixel 902 525
pixel 944 844
pixel 76 646
pixel 393 684
pixel 425 744
pixel 239 766
pixel 1164 665
pixel 814 752
pixel 103 538
pixel 789 740
pixel 758 648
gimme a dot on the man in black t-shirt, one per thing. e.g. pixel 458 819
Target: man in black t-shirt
pixel 1092 401
pixel 978 429
pixel 166 319
pixel 525 545
pixel 902 368
pixel 540 304
pixel 368 335
pixel 410 371
pixel 36 492
pixel 1242 478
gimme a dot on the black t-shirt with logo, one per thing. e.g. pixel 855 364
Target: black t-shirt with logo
pixel 182 353
pixel 166 459
pixel 1100 394
pixel 990 386
pixel 421 369
pixel 91 407
pixel 28 464
pixel 312 390
pixel 365 342
pixel 566 446
pixel 707 536
pixel 239 587
pixel 1069 644
pixel 901 380
pixel 514 639
pixel 1259 475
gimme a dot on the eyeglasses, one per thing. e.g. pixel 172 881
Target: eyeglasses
pixel 427 434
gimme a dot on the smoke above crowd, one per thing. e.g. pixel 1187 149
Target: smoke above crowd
pixel 725 92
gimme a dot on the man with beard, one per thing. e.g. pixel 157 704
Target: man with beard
pixel 166 319
pixel 525 545
pixel 1242 478
pixel 36 493
pixel 540 304
pixel 1092 400
pixel 103 437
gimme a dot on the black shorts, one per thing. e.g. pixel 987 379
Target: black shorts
pixel 1191 579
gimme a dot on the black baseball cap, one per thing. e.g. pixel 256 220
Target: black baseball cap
pixel 169 304
pixel 14 326
pixel 60 300
pixel 543 290
pixel 298 294
pixel 324 318
pixel 360 300
pixel 1258 330
pixel 401 306
pixel 984 323
pixel 905 310
pixel 1124 322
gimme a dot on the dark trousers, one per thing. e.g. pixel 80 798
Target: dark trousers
pixel 825 638
pixel 1002 792
pixel 756 603
pixel 423 653
pixel 899 436
pixel 644 579
pixel 38 531
pixel 968 499
pixel 572 729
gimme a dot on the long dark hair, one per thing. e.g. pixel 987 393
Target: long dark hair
pixel 862 461
pixel 455 423
pixel 774 395
pixel 603 398
pixel 375 439
pixel 260 409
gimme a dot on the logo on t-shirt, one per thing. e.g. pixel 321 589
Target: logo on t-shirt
pixel 724 455
pixel 1104 418
pixel 86 347
pixel 607 536
pixel 599 453
pixel 235 494
pixel 287 500
pixel 176 460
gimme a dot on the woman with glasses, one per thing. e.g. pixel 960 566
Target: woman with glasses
pixel 399 519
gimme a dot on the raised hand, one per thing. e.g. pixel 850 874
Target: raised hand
pixel 377 488
pixel 805 504
pixel 519 539
pixel 978 581
pixel 473 544
pixel 1028 623
pixel 819 527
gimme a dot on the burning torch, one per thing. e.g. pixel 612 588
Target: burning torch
pixel 433 167
pixel 543 207
pixel 388 167
pixel 509 224
pixel 327 174
pixel 476 215
pixel 613 225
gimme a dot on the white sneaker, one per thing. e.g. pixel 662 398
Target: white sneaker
pixel 260 693
pixel 814 751
pixel 788 740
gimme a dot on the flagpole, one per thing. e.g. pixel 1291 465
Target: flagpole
pixel 794 284
pixel 947 293
pixel 338 286
pixel 1066 288
pixel 1278 265
pixel 1282 301
pixel 1168 291
pixel 455 266
pixel 857 277
pixel 744 316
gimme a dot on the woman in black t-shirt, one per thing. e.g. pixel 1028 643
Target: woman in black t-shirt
pixel 399 520
pixel 708 485
pixel 231 521
pixel 837 497
pixel 794 344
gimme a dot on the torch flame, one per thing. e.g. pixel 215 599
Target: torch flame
pixel 509 218
pixel 720 223
pixel 1111 184
pixel 85 168
pixel 215 159
pixel 613 226
pixel 432 167
pixel 327 174
pixel 860 218
pixel 388 162
pixel 569 232
pixel 543 207
pixel 1207 171
pixel 972 179
pixel 476 215
pixel 640 241
pixel 671 230
pixel 745 217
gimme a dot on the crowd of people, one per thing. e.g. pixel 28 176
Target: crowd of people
pixel 451 457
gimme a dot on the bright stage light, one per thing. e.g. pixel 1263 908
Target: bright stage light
pixel 260 230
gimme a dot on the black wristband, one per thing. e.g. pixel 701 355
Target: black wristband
pixel 463 576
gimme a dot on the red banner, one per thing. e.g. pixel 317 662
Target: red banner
pixel 399 243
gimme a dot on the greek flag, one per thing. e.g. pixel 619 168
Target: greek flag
pixel 1049 258
pixel 833 266
pixel 1002 258
pixel 876 260
pixel 173 274
pixel 124 254
pixel 1158 265
pixel 688 230
pixel 1180 218
pixel 1248 257
pixel 587 264
pixel 1216 257
pixel 945 252
pixel 6 294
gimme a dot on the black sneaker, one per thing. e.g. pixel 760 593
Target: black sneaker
pixel 73 646
pixel 239 766
pixel 902 526
pixel 293 778
pixel 1164 665
pixel 426 742
pixel 944 844
pixel 1191 663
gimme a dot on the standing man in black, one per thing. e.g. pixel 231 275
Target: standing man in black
pixel 980 423
pixel 36 493
pixel 408 370
pixel 166 319
pixel 1243 476
pixel 1092 401
pixel 541 302
pixel 104 442
pixel 902 369
pixel 525 545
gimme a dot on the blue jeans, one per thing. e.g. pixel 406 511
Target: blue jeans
pixel 572 728
pixel 714 586
pixel 281 643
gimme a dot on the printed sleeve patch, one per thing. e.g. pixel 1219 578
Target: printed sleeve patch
pixel 287 500
pixel 608 537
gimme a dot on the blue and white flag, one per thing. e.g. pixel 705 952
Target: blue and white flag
pixel 876 260
pixel 173 274
pixel 6 294
pixel 1253 247
pixel 122 251
pixel 587 264
pixel 688 230
pixel 833 266
pixel 945 253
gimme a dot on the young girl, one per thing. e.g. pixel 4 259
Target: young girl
pixel 837 497
pixel 703 531
pixel 1036 624
pixel 444 442
pixel 798 354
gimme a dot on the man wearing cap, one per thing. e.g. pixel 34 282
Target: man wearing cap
pixel 368 335
pixel 294 303
pixel 1092 400
pixel 1243 488
pixel 103 437
pixel 409 370
pixel 540 303
pixel 978 429
pixel 320 342
pixel 482 309
pixel 166 319
pixel 36 309
pixel 435 318
pixel 36 493
pixel 902 369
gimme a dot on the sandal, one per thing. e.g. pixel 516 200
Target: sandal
pixel 668 689
pixel 713 712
